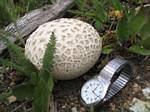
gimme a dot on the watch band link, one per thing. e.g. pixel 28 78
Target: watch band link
pixel 118 66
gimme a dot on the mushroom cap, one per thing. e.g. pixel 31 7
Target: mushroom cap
pixel 78 47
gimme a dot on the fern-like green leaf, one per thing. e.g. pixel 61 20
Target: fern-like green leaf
pixel 15 51
pixel 18 59
pixel 45 82
pixel 49 54
pixel 11 65
pixel 24 70
pixel 41 96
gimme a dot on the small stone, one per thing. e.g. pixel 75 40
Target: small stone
pixel 72 104
pixel 140 106
pixel 148 68
pixel 146 92
pixel 113 106
pixel 138 77
pixel 11 99
pixel 147 83
pixel 136 88
pixel 82 109
pixel 74 109
pixel 12 84
pixel 64 106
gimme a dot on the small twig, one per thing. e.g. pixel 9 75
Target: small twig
pixel 19 34
pixel 29 110
pixel 24 108
pixel 146 58
pixel 111 25
pixel 15 109
pixel 52 105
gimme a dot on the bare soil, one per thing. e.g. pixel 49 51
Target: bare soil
pixel 67 93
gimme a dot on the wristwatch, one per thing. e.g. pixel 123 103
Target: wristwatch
pixel 111 79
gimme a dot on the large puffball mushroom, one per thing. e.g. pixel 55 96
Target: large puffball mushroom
pixel 78 47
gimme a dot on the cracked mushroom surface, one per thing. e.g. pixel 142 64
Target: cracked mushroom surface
pixel 78 47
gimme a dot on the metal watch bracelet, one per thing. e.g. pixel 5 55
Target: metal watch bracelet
pixel 117 67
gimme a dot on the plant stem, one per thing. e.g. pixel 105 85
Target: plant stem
pixel 92 108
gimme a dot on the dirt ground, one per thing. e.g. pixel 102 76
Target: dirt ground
pixel 67 93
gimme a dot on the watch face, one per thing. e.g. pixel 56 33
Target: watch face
pixel 92 92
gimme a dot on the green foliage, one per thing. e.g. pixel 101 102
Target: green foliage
pixel 45 82
pixel 131 25
pixel 107 49
pixel 13 65
pixel 137 21
pixel 139 50
pixel 52 1
pixel 4 13
pixel 123 30
pixel 41 96
pixel 4 96
pixel 92 109
pixel 49 54
pixel 95 11
pixel 11 9
pixel 24 91
pixel 8 12
pixel 145 35
pixel 40 83
pixel 117 5
pixel 18 60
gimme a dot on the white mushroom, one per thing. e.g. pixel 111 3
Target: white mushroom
pixel 78 47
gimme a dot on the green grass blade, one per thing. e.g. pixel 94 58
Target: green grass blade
pixel 139 50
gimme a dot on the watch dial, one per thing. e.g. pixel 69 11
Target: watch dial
pixel 92 91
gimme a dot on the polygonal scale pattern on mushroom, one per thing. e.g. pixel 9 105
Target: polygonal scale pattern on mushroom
pixel 78 47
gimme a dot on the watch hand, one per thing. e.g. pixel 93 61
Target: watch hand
pixel 94 92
